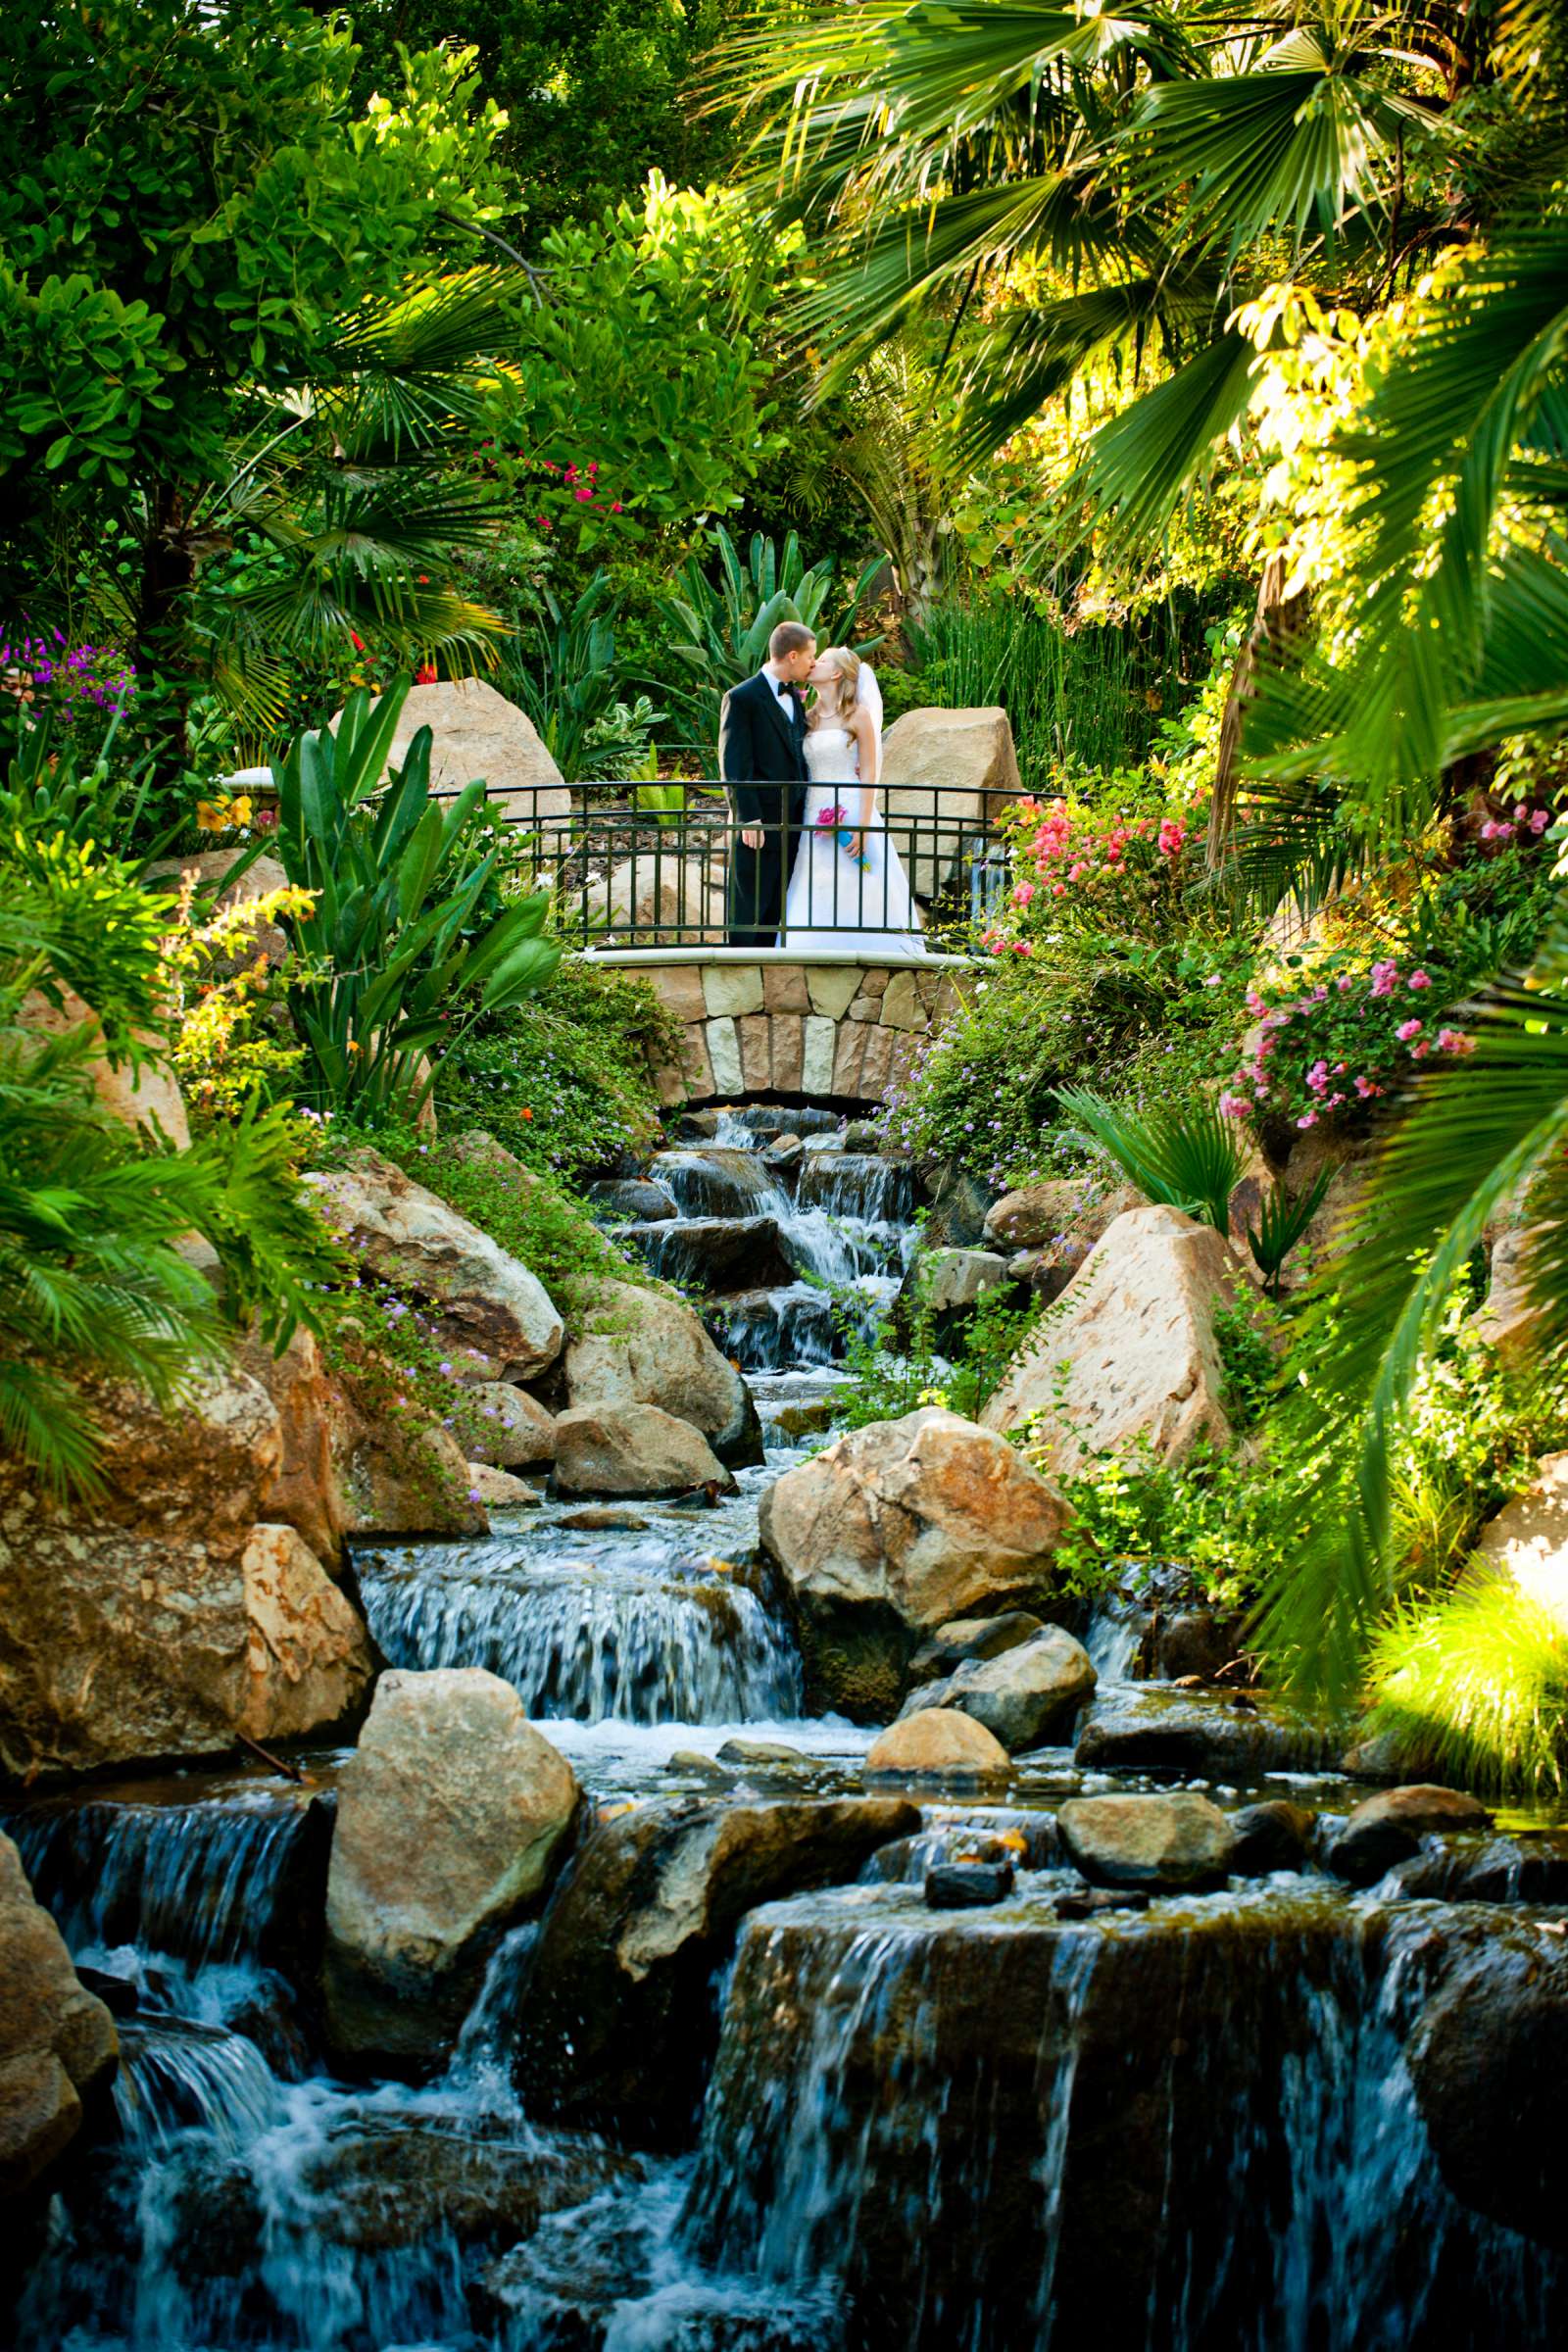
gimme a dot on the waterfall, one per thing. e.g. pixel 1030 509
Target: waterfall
pixel 629 1636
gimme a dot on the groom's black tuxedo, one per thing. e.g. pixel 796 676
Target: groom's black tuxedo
pixel 762 757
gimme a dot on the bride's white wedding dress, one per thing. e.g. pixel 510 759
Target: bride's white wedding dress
pixel 827 887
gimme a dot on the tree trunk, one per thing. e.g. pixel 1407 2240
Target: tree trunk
pixel 168 575
pixel 1278 618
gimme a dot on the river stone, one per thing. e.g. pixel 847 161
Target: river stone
pixel 971 1637
pixel 948 1281
pixel 1022 1695
pixel 451 1815
pixel 967 1886
pixel 505 1425
pixel 1273 1835
pixel 1135 1331
pixel 717 1254
pixel 640 1347
pixel 617 2018
pixel 1200 1735
pixel 632 1449
pixel 493 1316
pixel 938 1741
pixel 1175 1842
pixel 634 1199
pixel 157 1620
pixel 1388 1828
pixel 57 2042
pixel 899 1528
pixel 498 1490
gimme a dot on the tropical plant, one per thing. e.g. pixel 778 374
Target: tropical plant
pixel 402 949
pixel 1283 1220
pixel 51 788
pixel 1474 1686
pixel 724 628
pixel 1187 1158
pixel 95 1284
pixel 562 670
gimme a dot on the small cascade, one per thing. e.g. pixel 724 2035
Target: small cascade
pixel 713 1180
pixel 959 2121
pixel 1113 1642
pixel 634 1634
pixel 201 1879
pixel 177 2075
pixel 858 1184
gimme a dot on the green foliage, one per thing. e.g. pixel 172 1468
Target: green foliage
pixel 562 670
pixel 62 790
pixel 562 1079
pixel 640 407
pixel 1474 1687
pixel 1188 1159
pixel 395 967
pixel 95 1284
pixel 896 1365
pixel 724 628
pixel 1281 1222
pixel 1248 1336
pixel 1234 1521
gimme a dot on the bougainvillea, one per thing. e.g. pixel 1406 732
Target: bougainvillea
pixel 1073 866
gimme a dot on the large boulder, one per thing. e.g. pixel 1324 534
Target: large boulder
pixel 633 1450
pixel 1131 1352
pixel 1527 1543
pixel 679 902
pixel 507 1427
pixel 172 1612
pixel 451 1815
pixel 146 1097
pixel 618 2015
pixel 637 1347
pixel 495 1317
pixel 305 1490
pixel 1203 1733
pixel 1022 1696
pixel 57 2042
pixel 897 1529
pixel 1178 1842
pixel 953 773
pixel 399 1472
pixel 477 733
pixel 938 1744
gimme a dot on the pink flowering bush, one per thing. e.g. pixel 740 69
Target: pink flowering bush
pixel 1124 871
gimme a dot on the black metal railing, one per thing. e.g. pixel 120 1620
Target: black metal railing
pixel 633 876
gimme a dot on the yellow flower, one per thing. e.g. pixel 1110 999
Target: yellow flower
pixel 210 816
pixel 239 810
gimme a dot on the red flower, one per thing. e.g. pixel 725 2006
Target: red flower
pixel 357 641
pixel 424 676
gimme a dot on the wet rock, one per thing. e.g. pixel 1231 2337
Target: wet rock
pixel 1088 1902
pixel 451 1814
pixel 693 1759
pixel 638 1347
pixel 967 1886
pixel 1200 1735
pixel 1488 2057
pixel 1388 1829
pixel 862 1135
pixel 715 1181
pixel 632 1449
pixel 897 1529
pixel 1023 1694
pixel 606 1522
pixel 1489 1870
pixel 766 1755
pixel 58 2044
pixel 387 2183
pixel 784 1152
pixel 172 1612
pixel 635 1201
pixel 1172 1843
pixel 507 1427
pixel 1273 1835
pixel 804 1420
pixel 1195 1642
pixel 617 2021
pixel 938 1742
pixel 1135 1329
pixel 951 1645
pixel 495 1318
pixel 498 1490
pixel 715 1255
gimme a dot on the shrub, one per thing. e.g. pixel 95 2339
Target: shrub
pixel 1475 1686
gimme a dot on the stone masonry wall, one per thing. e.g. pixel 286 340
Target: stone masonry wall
pixel 830 1031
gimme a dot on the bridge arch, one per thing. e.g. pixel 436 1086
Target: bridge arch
pixel 829 1026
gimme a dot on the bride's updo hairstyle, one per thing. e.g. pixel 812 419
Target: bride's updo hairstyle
pixel 845 668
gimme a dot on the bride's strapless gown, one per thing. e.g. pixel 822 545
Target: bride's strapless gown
pixel 873 902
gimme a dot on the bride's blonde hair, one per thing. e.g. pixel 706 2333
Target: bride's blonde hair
pixel 846 666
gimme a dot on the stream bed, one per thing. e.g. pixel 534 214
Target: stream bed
pixel 1204 2123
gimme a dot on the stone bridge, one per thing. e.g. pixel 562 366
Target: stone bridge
pixel 820 1025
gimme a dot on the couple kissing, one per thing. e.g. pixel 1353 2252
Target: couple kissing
pixel 812 867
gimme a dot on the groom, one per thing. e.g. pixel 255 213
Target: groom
pixel 762 757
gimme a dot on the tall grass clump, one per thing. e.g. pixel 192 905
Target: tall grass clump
pixel 1475 1685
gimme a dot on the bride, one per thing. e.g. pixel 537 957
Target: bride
pixel 847 873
